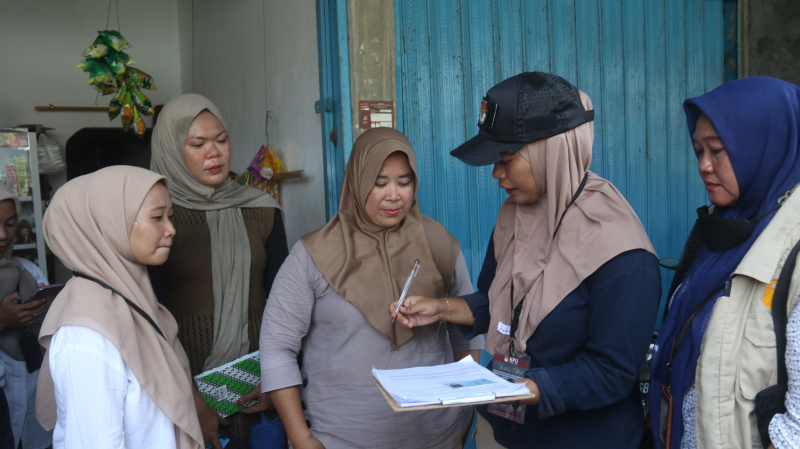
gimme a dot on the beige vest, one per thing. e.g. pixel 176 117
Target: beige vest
pixel 738 355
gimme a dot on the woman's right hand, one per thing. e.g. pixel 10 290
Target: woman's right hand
pixel 417 311
pixel 17 315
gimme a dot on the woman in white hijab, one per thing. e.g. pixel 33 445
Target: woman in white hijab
pixel 114 374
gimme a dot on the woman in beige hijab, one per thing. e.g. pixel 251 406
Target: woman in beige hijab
pixel 114 374
pixel 230 244
pixel 329 301
pixel 570 285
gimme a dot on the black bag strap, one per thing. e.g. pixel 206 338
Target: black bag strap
pixel 779 314
pixel 574 197
pixel 130 303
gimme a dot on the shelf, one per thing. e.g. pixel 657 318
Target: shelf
pixel 287 175
pixel 32 206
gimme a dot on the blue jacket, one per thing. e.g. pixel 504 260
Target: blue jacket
pixel 585 357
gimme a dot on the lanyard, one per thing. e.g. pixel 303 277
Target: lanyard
pixel 130 303
pixel 679 336
pixel 518 310
pixel 514 321
pixel 574 197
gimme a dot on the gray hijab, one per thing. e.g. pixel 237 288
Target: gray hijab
pixel 230 247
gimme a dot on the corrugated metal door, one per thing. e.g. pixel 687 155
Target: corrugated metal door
pixel 637 60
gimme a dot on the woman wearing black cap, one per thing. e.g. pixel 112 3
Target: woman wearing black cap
pixel 570 285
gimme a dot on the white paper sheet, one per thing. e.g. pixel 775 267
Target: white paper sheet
pixel 464 381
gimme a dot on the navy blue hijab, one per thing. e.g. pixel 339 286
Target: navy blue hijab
pixel 758 121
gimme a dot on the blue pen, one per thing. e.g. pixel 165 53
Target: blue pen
pixel 411 276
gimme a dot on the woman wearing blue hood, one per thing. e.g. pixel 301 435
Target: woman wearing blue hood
pixel 716 348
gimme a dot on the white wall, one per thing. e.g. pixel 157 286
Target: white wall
pixel 251 56
pixel 41 44
pixel 218 49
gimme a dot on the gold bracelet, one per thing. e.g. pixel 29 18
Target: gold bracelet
pixel 447 300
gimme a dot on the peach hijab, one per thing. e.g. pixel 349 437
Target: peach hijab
pixel 88 226
pixel 367 264
pixel 598 226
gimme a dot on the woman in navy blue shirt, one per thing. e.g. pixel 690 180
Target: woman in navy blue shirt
pixel 570 284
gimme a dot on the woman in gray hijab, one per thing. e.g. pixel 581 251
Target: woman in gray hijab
pixel 229 245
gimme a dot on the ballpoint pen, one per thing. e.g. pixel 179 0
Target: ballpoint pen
pixel 411 276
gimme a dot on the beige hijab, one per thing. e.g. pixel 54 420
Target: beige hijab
pixel 597 227
pixel 230 247
pixel 367 264
pixel 88 225
pixel 14 278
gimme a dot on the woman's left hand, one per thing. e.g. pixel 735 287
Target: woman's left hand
pixel 264 402
pixel 532 387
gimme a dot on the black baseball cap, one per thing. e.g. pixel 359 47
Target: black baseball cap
pixel 525 108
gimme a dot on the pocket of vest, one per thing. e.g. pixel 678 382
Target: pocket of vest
pixel 757 358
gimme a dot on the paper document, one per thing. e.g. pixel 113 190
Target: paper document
pixel 221 387
pixel 461 382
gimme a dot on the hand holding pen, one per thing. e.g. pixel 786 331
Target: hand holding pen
pixel 411 277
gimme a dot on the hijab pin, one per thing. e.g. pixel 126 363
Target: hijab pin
pixel 786 196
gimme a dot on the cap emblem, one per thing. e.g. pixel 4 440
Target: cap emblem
pixel 488 112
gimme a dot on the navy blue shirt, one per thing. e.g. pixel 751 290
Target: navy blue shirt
pixel 585 357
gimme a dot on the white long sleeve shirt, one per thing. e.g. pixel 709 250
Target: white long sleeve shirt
pixel 100 402
pixel 784 429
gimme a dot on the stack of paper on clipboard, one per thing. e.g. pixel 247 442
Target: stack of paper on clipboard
pixel 462 382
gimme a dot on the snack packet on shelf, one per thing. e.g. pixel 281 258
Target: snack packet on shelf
pixel 11 178
pixel 277 163
pixel 98 72
pixel 255 164
pixel 95 51
pixel 140 78
pixel 105 89
pixel 138 121
pixel 127 112
pixel 142 103
pixel 114 39
pixel 115 106
pixel 122 57
pixel 114 64
pixel 23 180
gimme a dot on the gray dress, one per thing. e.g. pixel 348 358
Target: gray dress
pixel 341 401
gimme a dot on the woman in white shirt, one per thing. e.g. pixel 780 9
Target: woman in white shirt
pixel 115 374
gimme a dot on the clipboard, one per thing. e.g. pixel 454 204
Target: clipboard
pixel 459 403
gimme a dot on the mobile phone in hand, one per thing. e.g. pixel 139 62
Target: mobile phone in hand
pixel 48 293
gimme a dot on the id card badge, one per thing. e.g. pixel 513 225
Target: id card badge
pixel 511 369
pixel 665 418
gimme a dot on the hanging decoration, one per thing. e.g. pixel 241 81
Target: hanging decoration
pixel 109 73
